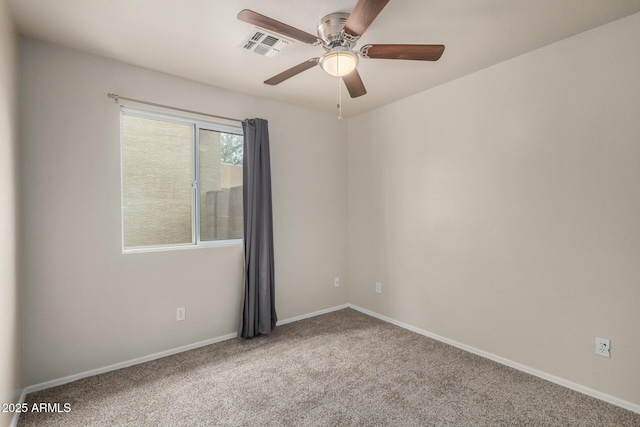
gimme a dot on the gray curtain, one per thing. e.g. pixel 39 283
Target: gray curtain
pixel 259 311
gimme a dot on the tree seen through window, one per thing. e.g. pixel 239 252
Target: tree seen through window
pixel 231 149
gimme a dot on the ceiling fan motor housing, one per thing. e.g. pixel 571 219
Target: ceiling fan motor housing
pixel 330 31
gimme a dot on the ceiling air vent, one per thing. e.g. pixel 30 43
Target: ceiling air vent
pixel 265 44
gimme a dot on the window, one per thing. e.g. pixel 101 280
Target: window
pixel 181 181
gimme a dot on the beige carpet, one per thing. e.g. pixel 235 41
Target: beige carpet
pixel 339 369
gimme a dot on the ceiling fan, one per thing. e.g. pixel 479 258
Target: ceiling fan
pixel 338 34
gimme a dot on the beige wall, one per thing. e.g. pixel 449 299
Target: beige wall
pixel 501 210
pixel 10 313
pixel 86 304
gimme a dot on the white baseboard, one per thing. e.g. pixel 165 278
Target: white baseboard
pixel 126 364
pixel 314 314
pixel 510 363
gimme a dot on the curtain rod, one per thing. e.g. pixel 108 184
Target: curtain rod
pixel 117 97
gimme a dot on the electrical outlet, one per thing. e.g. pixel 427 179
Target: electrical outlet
pixel 336 282
pixel 181 313
pixel 378 287
pixel 603 346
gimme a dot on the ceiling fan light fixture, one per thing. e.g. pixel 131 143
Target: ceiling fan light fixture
pixel 339 61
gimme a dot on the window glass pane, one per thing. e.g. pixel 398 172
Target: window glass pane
pixel 220 183
pixel 157 172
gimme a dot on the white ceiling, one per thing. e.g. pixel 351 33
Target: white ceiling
pixel 202 39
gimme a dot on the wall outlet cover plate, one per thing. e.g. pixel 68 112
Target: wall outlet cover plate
pixel 603 346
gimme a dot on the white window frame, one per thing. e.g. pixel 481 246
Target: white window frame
pixel 195 196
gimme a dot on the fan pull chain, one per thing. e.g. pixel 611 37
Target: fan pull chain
pixel 338 78
pixel 339 104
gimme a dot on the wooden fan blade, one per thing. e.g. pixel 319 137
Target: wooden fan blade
pixel 416 52
pixel 363 15
pixel 354 84
pixel 287 74
pixel 267 23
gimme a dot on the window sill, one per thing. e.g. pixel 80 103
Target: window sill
pixel 212 244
